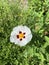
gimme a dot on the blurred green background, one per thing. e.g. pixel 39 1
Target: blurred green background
pixel 35 15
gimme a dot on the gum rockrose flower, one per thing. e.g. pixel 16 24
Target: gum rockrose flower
pixel 21 35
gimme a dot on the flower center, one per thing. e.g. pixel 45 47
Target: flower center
pixel 20 35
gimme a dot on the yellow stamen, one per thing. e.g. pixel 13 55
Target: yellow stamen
pixel 21 35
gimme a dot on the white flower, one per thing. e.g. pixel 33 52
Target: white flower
pixel 21 35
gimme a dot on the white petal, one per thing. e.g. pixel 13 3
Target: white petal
pixel 12 39
pixel 25 41
pixel 13 33
pixel 18 28
pixel 29 37
pixel 27 30
pixel 21 28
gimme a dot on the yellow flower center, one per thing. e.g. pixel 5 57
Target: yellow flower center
pixel 21 35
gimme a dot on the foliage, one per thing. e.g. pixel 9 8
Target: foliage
pixel 36 17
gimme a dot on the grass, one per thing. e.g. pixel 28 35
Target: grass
pixel 36 17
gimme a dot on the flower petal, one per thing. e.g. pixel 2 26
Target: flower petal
pixel 12 39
